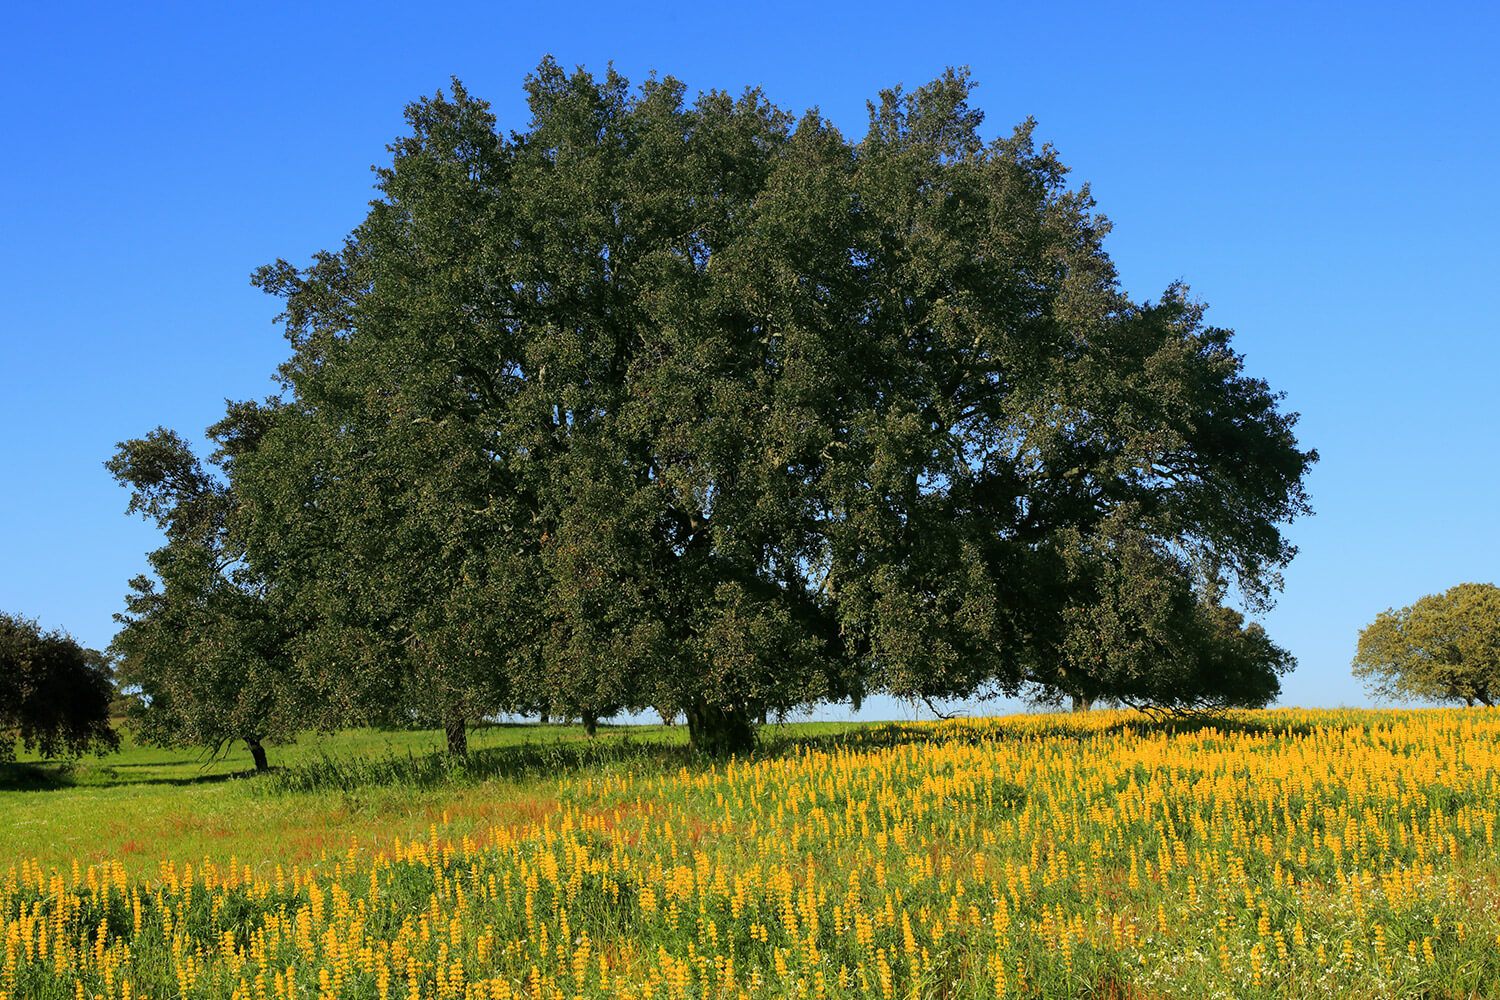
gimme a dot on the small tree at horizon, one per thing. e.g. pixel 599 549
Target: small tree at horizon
pixel 1443 647
pixel 55 695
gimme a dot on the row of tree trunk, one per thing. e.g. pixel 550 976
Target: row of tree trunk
pixel 713 730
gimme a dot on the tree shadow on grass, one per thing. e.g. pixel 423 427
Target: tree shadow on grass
pixel 1065 726
pixel 520 761
pixel 34 777
pixel 562 756
pixel 616 746
pixel 55 776
pixel 1062 726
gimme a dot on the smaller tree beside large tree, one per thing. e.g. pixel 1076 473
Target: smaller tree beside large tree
pixel 1445 647
pixel 54 694
pixel 201 644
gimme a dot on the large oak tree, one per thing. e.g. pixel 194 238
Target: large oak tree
pixel 701 403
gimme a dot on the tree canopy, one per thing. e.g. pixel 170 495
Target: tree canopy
pixel 1444 647
pixel 54 694
pixel 202 649
pixel 697 403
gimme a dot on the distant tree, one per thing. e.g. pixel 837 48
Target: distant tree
pixel 1445 647
pixel 123 702
pixel 201 646
pixel 702 404
pixel 54 694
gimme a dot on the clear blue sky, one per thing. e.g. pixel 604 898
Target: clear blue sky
pixel 1324 176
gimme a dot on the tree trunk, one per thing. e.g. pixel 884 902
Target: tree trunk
pixel 458 736
pixel 1082 704
pixel 257 753
pixel 590 724
pixel 546 717
pixel 1485 699
pixel 719 731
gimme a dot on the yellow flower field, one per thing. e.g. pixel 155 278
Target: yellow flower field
pixel 1291 853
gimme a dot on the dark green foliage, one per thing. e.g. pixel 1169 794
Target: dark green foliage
pixel 349 774
pixel 387 498
pixel 699 404
pixel 202 645
pixel 1445 647
pixel 54 694
pixel 1133 630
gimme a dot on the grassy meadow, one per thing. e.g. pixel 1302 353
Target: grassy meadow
pixel 1286 853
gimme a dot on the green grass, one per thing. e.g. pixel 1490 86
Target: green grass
pixel 145 803
pixel 137 764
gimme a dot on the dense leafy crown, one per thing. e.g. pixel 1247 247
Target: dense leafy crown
pixel 701 404
pixel 202 647
pixel 1444 647
pixel 54 694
